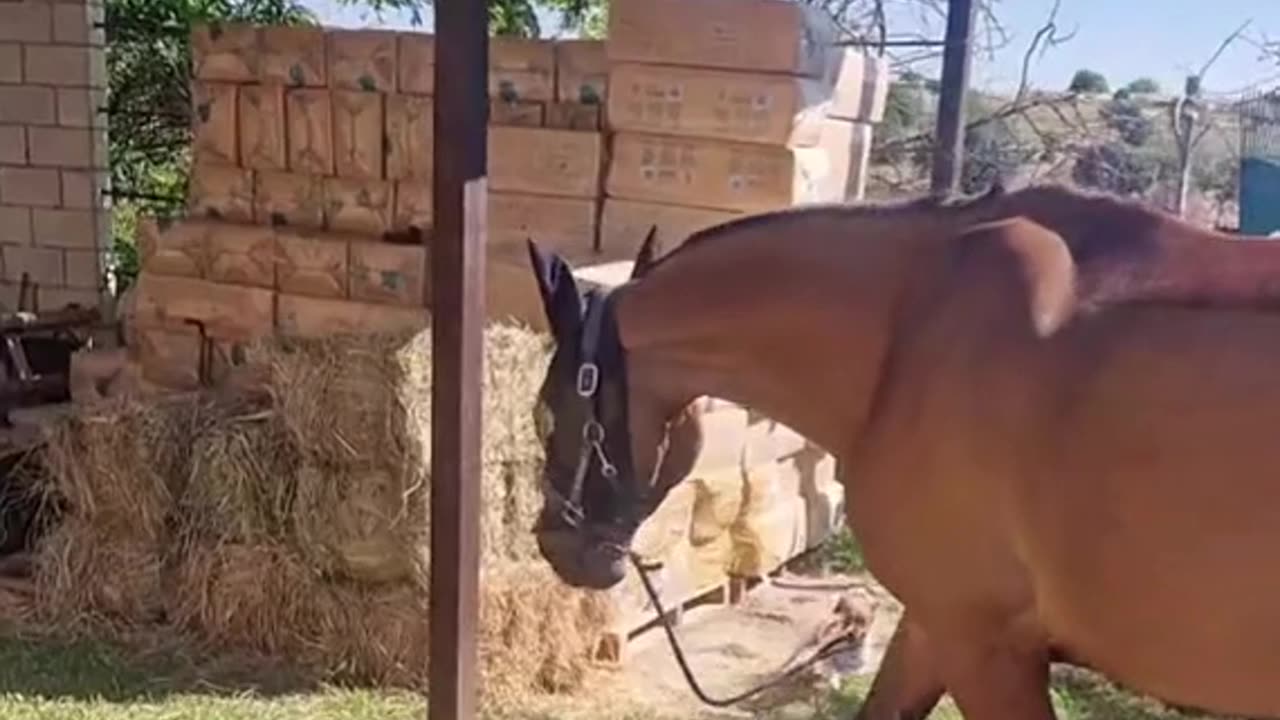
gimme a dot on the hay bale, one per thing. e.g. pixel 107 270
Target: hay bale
pixel 83 573
pixel 294 521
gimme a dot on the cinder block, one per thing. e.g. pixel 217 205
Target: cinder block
pixel 388 273
pixel 311 264
pixel 27 105
pixel 43 265
pixel 13 145
pixel 10 63
pixel 74 229
pixel 288 199
pixel 84 269
pixel 409 135
pixel 61 147
pixel 56 298
pixel 358 134
pixel 310 131
pixel 358 206
pixel 522 69
pixel 582 71
pixel 575 116
pixel 37 187
pixel 413 205
pixel 416 63
pixel 293 56
pixel 518 113
pixel 80 189
pixel 363 60
pixel 15 225
pixel 60 65
pixel 228 52
pixel 221 192
pixel 545 161
pixel 26 22
pixel 261 112
pixel 215 123
pixel 242 255
pixel 73 23
pixel 78 107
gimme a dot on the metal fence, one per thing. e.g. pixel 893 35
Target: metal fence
pixel 1260 164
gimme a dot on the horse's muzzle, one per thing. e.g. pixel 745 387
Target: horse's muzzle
pixel 581 561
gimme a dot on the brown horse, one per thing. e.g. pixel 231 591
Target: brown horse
pixel 1056 415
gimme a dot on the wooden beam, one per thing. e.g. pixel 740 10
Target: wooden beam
pixel 948 152
pixel 456 297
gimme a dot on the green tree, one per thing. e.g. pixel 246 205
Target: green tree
pixel 1089 81
pixel 148 105
pixel 1126 117
pixel 1143 86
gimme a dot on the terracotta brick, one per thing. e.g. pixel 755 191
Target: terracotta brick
pixel 409 137
pixel 358 206
pixel 262 144
pixel 413 205
pixel 64 65
pixel 362 60
pixel 214 123
pixel 545 161
pixel 322 317
pixel 61 147
pixel 574 116
pixel 221 192
pixel 416 63
pixel 37 187
pixel 13 145
pixel 312 264
pixel 227 52
pixel 80 188
pixel 179 249
pixel 73 229
pixel 10 63
pixel 42 265
pixel 582 71
pixel 522 69
pixel 78 107
pixel 358 134
pixel 310 131
pixel 293 56
pixel 387 273
pixel 522 114
pixel 26 21
pixel 15 225
pixel 72 23
pixel 84 269
pixel 288 199
pixel 25 104
pixel 231 312
pixel 242 255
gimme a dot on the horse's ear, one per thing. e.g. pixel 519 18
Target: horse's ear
pixel 559 291
pixel 649 250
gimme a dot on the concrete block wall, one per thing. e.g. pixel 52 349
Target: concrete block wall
pixel 54 218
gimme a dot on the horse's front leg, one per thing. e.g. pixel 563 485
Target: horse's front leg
pixel 907 686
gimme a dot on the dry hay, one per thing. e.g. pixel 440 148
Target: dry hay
pixel 294 521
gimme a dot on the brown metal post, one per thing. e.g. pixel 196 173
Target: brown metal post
pixel 456 297
pixel 948 153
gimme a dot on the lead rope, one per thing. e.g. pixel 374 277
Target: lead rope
pixel 828 649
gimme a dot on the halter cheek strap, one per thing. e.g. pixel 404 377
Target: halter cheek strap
pixel 593 434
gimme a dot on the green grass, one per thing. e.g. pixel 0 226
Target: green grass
pixel 51 679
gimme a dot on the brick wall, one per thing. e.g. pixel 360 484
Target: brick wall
pixel 54 223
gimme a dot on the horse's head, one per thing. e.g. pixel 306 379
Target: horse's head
pixel 614 443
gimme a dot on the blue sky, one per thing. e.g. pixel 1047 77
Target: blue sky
pixel 1123 39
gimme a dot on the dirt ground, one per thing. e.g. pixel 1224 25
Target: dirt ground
pixel 732 648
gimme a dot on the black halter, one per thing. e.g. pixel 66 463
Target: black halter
pixel 599 347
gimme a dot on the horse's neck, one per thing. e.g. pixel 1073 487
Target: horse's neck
pixel 784 323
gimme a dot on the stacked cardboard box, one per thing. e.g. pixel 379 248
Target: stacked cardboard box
pixel 725 107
